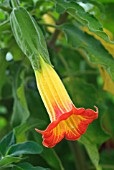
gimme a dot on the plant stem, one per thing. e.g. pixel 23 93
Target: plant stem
pixel 79 157
pixel 15 3
pixel 61 20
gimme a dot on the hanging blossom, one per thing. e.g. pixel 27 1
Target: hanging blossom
pixel 67 121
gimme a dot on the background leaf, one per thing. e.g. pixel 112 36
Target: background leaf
pixel 75 10
pixel 27 166
pixel 24 148
pixel 8 160
pixel 52 159
pixel 93 49
pixel 6 142
pixel 20 108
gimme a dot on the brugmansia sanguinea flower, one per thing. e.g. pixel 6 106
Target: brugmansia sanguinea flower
pixel 66 120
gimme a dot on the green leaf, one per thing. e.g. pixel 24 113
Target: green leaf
pixel 6 142
pixel 17 115
pixel 36 107
pixel 2 16
pixel 52 159
pixel 8 160
pixel 27 126
pixel 92 48
pixel 96 134
pixel 108 118
pixel 93 138
pixel 20 108
pixel 107 160
pixel 76 11
pixel 69 66
pixel 81 97
pixel 15 167
pixel 21 97
pixel 92 151
pixel 25 148
pixel 28 166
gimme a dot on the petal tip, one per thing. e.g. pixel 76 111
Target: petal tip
pixel 96 109
pixel 39 131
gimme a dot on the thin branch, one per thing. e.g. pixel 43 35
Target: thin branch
pixel 54 37
pixel 49 25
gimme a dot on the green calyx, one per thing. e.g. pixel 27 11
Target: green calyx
pixel 29 37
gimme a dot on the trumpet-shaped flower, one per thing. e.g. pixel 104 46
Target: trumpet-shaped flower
pixel 67 121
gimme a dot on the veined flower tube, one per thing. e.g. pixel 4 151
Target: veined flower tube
pixel 66 120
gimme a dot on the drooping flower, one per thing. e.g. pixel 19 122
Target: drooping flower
pixel 66 120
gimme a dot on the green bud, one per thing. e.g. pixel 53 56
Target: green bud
pixel 29 36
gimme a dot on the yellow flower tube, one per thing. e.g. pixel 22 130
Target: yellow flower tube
pixel 66 120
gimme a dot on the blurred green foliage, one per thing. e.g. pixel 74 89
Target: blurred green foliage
pixel 76 56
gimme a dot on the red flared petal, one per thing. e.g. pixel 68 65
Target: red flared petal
pixel 70 125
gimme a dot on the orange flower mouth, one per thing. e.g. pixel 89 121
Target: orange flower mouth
pixel 70 125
